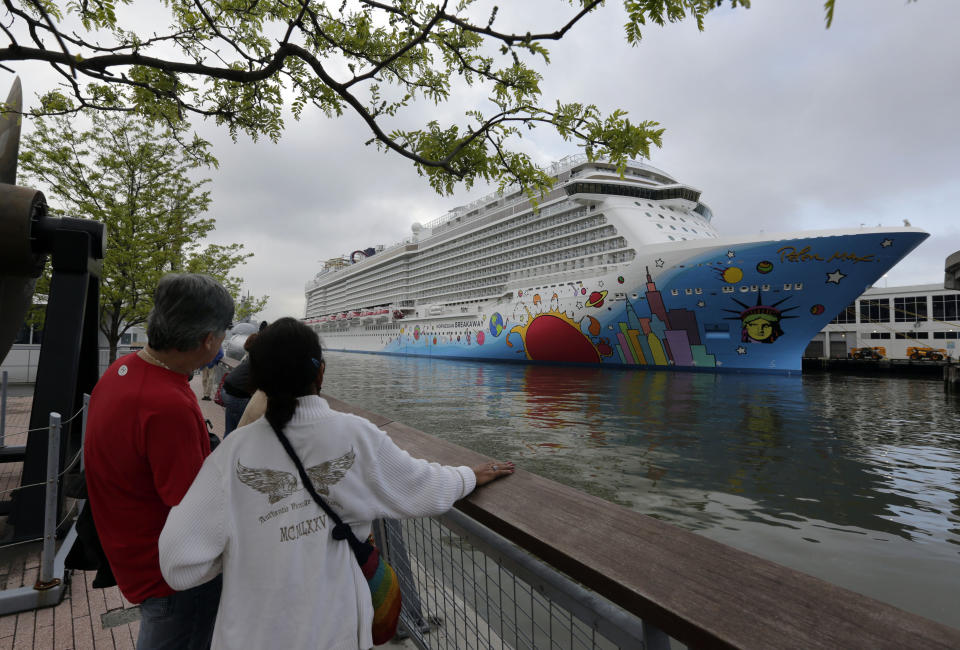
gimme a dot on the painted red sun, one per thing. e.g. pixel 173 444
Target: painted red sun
pixel 552 337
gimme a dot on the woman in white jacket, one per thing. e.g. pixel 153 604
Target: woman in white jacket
pixel 286 582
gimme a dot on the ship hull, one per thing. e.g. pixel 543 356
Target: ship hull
pixel 717 305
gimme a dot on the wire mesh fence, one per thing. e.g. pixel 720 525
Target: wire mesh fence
pixel 464 587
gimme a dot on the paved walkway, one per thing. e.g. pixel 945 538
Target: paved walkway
pixel 87 617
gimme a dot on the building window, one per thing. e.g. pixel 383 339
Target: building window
pixel 880 335
pixel 946 335
pixel 848 315
pixel 875 311
pixel 911 309
pixel 946 307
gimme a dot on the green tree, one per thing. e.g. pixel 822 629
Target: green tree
pixel 136 179
pixel 243 62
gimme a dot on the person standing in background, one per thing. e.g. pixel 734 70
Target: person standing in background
pixel 145 442
pixel 238 387
pixel 207 373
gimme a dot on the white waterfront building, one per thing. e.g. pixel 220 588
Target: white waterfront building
pixel 894 318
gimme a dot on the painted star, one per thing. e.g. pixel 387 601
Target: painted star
pixel 659 264
pixel 579 305
pixel 731 254
pixel 741 349
pixel 600 283
pixel 700 303
pixel 835 277
pixel 886 243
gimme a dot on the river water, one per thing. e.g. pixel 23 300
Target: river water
pixel 855 480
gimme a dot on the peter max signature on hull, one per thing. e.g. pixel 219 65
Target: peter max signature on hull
pixel 791 254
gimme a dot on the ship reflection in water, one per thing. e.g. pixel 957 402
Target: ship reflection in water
pixel 855 480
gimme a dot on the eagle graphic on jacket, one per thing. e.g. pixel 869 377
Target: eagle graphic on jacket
pixel 277 484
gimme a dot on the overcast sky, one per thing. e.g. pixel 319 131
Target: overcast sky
pixel 782 124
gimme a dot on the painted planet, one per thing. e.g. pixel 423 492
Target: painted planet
pixel 764 267
pixel 536 299
pixel 603 347
pixel 496 324
pixel 590 325
pixel 480 337
pixel 620 279
pixel 416 333
pixel 732 275
pixel 817 309
pixel 434 340
pixel 520 293
pixel 583 291
pixel 596 298
pixel 551 338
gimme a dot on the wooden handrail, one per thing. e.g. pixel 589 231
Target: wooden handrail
pixel 701 592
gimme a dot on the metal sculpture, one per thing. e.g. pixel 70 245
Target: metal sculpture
pixel 68 365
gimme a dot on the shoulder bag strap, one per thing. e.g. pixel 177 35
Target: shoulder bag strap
pixel 340 529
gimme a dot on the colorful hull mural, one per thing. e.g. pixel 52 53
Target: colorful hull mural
pixel 728 305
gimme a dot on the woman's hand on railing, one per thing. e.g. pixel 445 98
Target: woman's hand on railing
pixel 491 471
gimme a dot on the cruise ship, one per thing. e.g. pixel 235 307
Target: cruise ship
pixel 608 269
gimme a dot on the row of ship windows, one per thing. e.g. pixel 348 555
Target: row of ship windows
pixel 753 288
pixel 461 244
pixel 566 255
pixel 499 253
pixel 617 257
pixel 476 242
pixel 543 220
pixel 536 268
pixel 593 245
pixel 546 270
pixel 582 227
pixel 357 284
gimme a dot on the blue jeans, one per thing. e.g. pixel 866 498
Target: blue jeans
pixel 182 620
pixel 232 411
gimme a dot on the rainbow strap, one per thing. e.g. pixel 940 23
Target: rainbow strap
pixel 385 592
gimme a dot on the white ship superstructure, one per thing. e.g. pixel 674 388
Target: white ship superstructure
pixel 589 224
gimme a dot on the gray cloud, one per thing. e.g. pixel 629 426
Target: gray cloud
pixel 782 124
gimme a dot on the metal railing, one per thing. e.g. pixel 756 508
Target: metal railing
pixel 466 587
pixel 558 568
pixel 50 586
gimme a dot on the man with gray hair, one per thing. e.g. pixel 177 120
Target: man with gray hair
pixel 146 440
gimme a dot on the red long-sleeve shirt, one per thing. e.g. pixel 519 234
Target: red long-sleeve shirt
pixel 145 442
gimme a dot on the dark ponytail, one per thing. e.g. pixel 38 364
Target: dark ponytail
pixel 284 361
